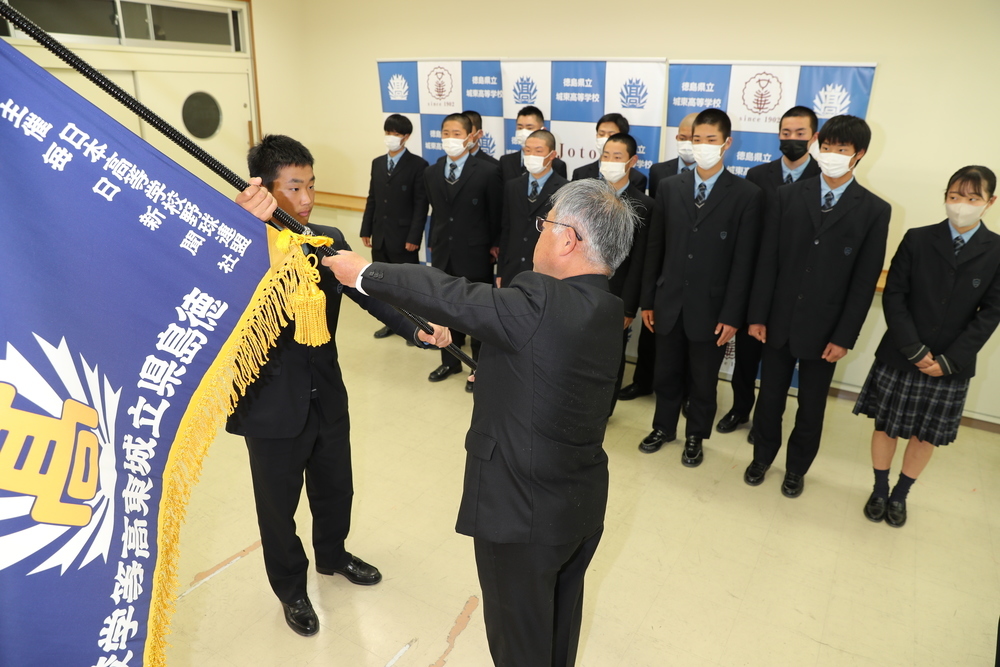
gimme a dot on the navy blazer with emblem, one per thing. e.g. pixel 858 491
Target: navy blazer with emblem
pixel 937 302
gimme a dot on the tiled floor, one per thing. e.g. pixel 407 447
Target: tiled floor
pixel 695 567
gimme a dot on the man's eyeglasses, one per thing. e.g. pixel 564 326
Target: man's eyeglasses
pixel 540 226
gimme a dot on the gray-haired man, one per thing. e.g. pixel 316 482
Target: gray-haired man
pixel 536 477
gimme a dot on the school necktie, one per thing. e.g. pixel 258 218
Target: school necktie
pixel 789 179
pixel 451 174
pixel 533 192
pixel 392 165
pixel 699 201
pixel 827 202
pixel 959 244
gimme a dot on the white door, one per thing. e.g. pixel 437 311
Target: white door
pixel 102 100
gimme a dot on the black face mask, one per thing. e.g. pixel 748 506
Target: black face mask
pixel 794 149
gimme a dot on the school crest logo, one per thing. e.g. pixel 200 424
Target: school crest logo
pixel 488 144
pixel 832 100
pixel 762 93
pixel 57 464
pixel 525 91
pixel 633 94
pixel 976 282
pixel 399 90
pixel 439 83
pixel 723 235
pixel 847 251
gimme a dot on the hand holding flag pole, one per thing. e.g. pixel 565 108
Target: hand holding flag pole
pixel 26 26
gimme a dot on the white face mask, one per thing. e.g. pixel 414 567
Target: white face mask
pixel 599 142
pixel 706 155
pixel 392 142
pixel 834 165
pixel 685 150
pixel 453 147
pixel 613 171
pixel 964 215
pixel 520 136
pixel 814 150
pixel 535 164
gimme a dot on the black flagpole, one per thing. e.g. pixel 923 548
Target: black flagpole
pixel 24 24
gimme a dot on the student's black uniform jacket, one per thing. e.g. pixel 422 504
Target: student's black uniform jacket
pixel 769 177
pixel 511 167
pixel 593 170
pixel 627 279
pixel 662 170
pixel 817 272
pixel 465 218
pixel 396 209
pixel 701 260
pixel 518 232
pixel 937 302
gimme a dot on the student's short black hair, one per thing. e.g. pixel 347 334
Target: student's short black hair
pixel 802 112
pixel 845 130
pixel 974 178
pixel 716 118
pixel 475 118
pixel 273 153
pixel 532 111
pixel 616 118
pixel 544 135
pixel 625 138
pixel 398 123
pixel 461 119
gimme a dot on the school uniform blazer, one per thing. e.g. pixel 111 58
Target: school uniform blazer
pixel 396 209
pixel 518 233
pixel 593 170
pixel 701 260
pixel 465 218
pixel 662 170
pixel 626 282
pixel 769 177
pixel 511 167
pixel 816 273
pixel 276 404
pixel 483 155
pixel 536 471
pixel 939 303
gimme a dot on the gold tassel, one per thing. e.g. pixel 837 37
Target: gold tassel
pixel 307 302
pixel 234 369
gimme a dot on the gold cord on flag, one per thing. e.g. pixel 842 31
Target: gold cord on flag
pixel 287 292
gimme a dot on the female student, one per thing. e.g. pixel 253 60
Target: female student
pixel 942 303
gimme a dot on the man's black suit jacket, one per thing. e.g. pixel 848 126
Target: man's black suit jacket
pixel 662 170
pixel 465 218
pixel 536 471
pixel 817 272
pixel 511 166
pixel 627 279
pixel 937 302
pixel 769 177
pixel 276 404
pixel 518 232
pixel 701 260
pixel 593 170
pixel 396 209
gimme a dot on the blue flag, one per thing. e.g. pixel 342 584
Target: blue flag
pixel 135 301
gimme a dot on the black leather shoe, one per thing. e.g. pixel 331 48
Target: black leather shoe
pixel 731 422
pixel 357 572
pixel 656 439
pixel 441 372
pixel 693 454
pixel 793 485
pixel 301 618
pixel 875 508
pixel 384 332
pixel 754 474
pixel 685 408
pixel 470 386
pixel 750 437
pixel 895 514
pixel 633 391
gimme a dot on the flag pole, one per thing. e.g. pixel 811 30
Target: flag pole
pixel 25 25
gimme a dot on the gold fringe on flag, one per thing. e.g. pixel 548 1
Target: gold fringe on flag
pixel 287 292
